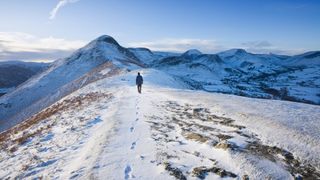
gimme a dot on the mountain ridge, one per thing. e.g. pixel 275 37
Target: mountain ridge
pixel 245 74
pixel 48 86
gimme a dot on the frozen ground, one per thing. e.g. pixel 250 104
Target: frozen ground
pixel 106 130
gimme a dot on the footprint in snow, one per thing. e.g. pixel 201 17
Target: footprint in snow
pixel 48 137
pixel 133 145
pixel 127 172
pixel 137 119
pixel 131 129
pixel 94 121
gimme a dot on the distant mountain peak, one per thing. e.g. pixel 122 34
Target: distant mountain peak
pixel 236 51
pixel 141 49
pixel 192 52
pixel 107 39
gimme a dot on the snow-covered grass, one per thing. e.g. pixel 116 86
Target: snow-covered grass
pixel 166 132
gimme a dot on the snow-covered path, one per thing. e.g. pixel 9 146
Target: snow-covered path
pixel 107 130
pixel 130 151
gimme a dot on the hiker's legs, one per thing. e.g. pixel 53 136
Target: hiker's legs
pixel 139 88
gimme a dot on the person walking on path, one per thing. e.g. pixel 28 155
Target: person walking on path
pixel 139 82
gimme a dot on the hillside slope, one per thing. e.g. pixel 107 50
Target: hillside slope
pixel 65 76
pixel 167 132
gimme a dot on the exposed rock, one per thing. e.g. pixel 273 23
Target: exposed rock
pixel 245 177
pixel 226 145
pixel 196 137
pixel 176 172
pixel 196 111
pixel 202 172
pixel 223 136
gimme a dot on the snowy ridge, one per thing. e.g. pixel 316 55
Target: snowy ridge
pixel 165 133
pixel 147 57
pixel 307 59
pixel 144 55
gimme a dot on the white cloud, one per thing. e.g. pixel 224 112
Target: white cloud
pixel 180 45
pixel 17 45
pixel 60 4
pixel 17 41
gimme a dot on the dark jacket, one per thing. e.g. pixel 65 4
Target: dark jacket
pixel 139 80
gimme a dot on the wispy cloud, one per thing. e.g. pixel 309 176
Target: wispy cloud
pixel 60 4
pixel 180 45
pixel 17 45
pixel 257 44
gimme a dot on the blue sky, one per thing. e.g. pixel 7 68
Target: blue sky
pixel 49 29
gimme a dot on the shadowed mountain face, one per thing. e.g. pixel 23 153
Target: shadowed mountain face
pixel 13 73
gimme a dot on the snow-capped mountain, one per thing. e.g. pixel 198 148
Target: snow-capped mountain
pixel 255 75
pixel 101 57
pixel 192 53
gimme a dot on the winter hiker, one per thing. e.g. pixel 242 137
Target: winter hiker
pixel 139 82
